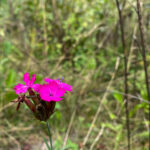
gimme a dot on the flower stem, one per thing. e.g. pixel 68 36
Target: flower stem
pixel 50 136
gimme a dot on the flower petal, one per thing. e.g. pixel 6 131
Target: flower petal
pixel 63 85
pixel 33 78
pixel 27 79
pixel 50 98
pixel 48 80
pixel 60 92
pixel 56 99
pixel 36 87
pixel 51 92
pixel 44 89
pixel 20 88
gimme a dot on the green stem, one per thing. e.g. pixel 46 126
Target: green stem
pixel 50 136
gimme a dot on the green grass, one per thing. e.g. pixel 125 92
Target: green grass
pixel 67 41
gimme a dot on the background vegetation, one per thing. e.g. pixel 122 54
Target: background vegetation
pixel 79 40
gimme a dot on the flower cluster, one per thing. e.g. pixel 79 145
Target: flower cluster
pixel 52 91
pixel 44 96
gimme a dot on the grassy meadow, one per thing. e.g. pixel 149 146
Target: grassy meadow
pixel 81 41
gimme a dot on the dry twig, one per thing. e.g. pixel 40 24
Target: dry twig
pixel 125 70
pixel 144 56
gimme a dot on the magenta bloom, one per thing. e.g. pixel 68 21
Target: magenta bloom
pixel 29 83
pixel 51 92
pixel 65 86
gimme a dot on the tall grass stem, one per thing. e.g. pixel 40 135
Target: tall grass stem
pixel 49 134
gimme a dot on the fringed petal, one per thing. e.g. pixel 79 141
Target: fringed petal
pixel 20 88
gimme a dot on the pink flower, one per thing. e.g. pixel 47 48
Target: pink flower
pixel 20 88
pixel 65 86
pixel 51 92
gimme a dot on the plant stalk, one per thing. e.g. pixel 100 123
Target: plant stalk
pixel 49 133
pixel 125 71
pixel 141 29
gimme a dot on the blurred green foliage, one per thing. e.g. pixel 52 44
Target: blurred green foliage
pixel 80 41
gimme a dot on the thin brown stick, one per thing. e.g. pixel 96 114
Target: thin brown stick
pixel 144 56
pixel 125 71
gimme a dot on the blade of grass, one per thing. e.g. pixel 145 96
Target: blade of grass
pixel 49 133
pixel 49 148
